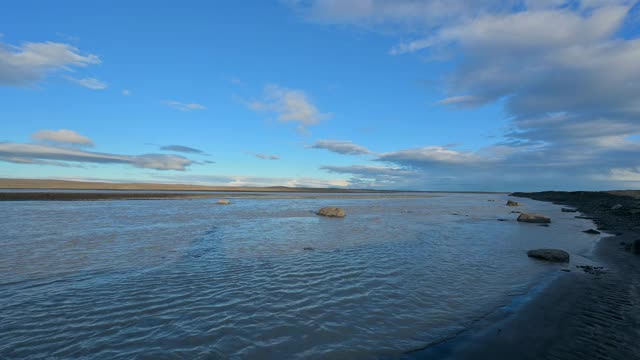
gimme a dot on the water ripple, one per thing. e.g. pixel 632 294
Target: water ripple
pixel 188 279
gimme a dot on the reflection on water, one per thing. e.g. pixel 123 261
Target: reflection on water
pixel 187 278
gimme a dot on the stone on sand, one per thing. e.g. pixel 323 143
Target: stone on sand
pixel 553 255
pixel 533 218
pixel 331 212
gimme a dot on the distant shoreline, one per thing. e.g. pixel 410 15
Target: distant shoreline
pixel 39 185
pixel 107 196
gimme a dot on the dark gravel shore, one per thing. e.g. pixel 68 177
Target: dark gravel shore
pixel 583 314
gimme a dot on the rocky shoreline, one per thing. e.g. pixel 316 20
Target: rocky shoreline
pixel 588 312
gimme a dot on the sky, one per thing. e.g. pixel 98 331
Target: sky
pixel 423 95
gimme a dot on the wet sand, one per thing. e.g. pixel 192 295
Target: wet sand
pixel 578 314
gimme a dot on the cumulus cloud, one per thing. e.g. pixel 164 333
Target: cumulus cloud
pixel 26 64
pixel 429 155
pixel 90 83
pixel 180 148
pixel 62 136
pixel 55 155
pixel 290 105
pixel 565 71
pixel 267 157
pixel 341 147
pixel 184 106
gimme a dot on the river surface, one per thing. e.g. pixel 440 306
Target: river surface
pixel 264 278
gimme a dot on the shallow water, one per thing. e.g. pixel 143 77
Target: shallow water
pixel 189 279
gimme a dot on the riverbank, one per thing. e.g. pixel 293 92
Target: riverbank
pixel 581 314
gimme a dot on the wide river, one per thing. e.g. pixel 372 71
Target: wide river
pixel 264 278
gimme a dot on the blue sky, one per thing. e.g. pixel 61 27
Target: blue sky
pixel 426 95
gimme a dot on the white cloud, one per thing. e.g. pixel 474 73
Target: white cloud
pixel 461 100
pixel 625 174
pixel 62 136
pixel 53 155
pixel 290 105
pixel 184 106
pixel 341 147
pixel 430 155
pixel 30 62
pixel 181 148
pixel 373 176
pixel 90 83
pixel 126 92
pixel 267 157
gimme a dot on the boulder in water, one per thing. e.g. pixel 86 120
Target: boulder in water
pixel 513 203
pixel 553 255
pixel 331 212
pixel 568 210
pixel 533 218
pixel 591 231
pixel 224 202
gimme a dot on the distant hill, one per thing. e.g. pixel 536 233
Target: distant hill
pixel 89 185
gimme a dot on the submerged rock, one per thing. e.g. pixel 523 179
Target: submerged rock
pixel 616 207
pixel 516 212
pixel 635 247
pixel 591 231
pixel 593 270
pixel 223 202
pixel 513 203
pixel 534 218
pixel 331 212
pixel 568 210
pixel 553 255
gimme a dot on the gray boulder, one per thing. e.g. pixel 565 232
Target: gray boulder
pixel 591 231
pixel 533 218
pixel 513 203
pixel 331 212
pixel 553 255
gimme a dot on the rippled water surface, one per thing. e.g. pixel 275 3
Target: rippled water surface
pixel 190 279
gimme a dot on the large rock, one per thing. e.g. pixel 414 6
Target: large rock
pixel 331 212
pixel 223 202
pixel 592 231
pixel 553 255
pixel 513 203
pixel 534 218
